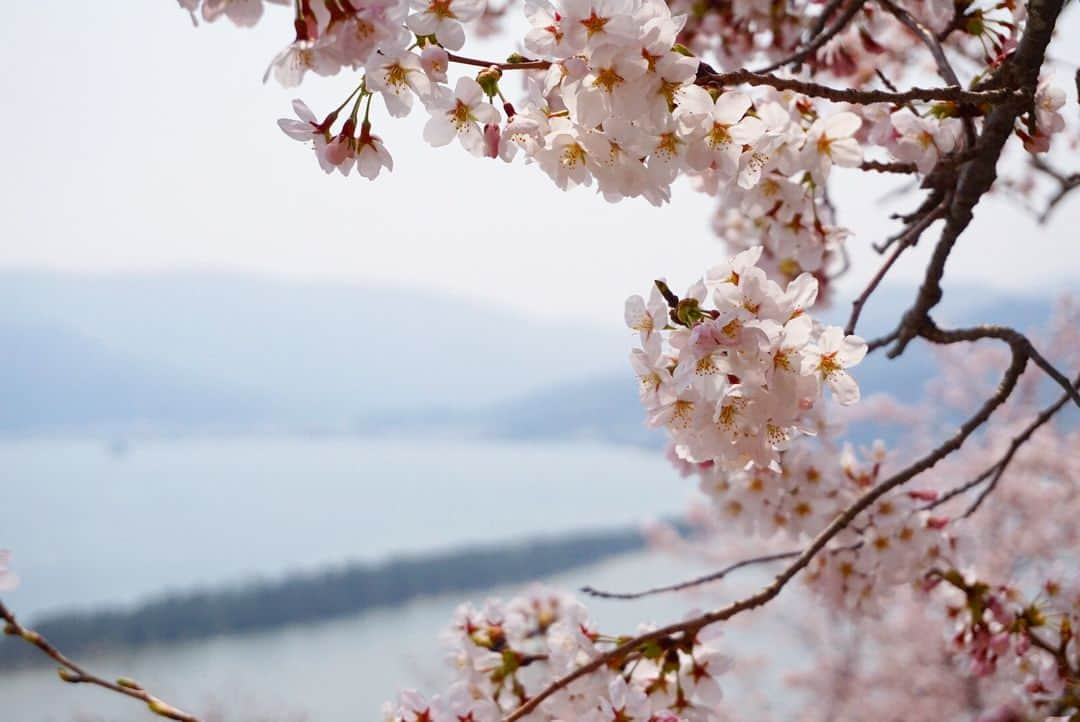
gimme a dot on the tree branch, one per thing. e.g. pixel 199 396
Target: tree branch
pixel 712 577
pixel 1021 71
pixel 523 65
pixel 995 471
pixel 908 238
pixel 876 166
pixel 1066 184
pixel 818 36
pixel 689 628
pixel 74 674
pixel 706 76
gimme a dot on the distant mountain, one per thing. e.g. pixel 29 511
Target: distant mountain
pixel 55 380
pixel 182 352
pixel 280 353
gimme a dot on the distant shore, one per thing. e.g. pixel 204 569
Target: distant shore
pixel 309 597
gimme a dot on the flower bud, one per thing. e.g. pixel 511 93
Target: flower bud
pixel 489 81
pixel 67 675
pixel 492 140
pixel 161 708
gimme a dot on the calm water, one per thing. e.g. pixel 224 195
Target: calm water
pixel 342 671
pixel 89 527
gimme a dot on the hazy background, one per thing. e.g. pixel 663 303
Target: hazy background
pixel 219 365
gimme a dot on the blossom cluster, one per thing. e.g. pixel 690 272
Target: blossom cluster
pixel 734 383
pixel 896 541
pixel 1035 643
pixel 616 97
pixel 505 653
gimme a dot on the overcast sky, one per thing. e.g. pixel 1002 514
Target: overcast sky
pixel 134 141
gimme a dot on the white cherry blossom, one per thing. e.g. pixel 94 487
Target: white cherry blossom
pixel 460 116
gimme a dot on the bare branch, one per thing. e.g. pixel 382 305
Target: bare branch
pixel 995 471
pixel 1066 184
pixel 74 674
pixel 818 35
pixel 523 65
pixel 908 238
pixel 877 166
pixel 712 577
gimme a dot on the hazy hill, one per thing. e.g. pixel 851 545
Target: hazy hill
pixel 308 353
pixel 191 352
pixel 52 379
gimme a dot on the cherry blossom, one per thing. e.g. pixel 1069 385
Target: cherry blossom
pixel 746 372
pixel 397 78
pixel 461 116
pixel 923 141
pixel 443 18
pixel 831 141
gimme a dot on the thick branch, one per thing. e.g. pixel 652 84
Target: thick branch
pixel 74 674
pixel 1021 70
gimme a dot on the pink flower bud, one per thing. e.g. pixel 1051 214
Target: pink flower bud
pixel 1000 643
pixel 1001 614
pixel 492 140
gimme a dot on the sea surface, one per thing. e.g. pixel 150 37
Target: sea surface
pixel 91 526
pixel 343 670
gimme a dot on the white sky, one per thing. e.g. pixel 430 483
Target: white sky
pixel 134 141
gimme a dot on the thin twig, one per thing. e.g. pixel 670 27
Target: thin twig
pixel 523 65
pixel 874 344
pixel 1066 184
pixel 818 36
pixel 74 674
pixel 878 166
pixel 997 469
pixel 712 577
pixel 906 239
